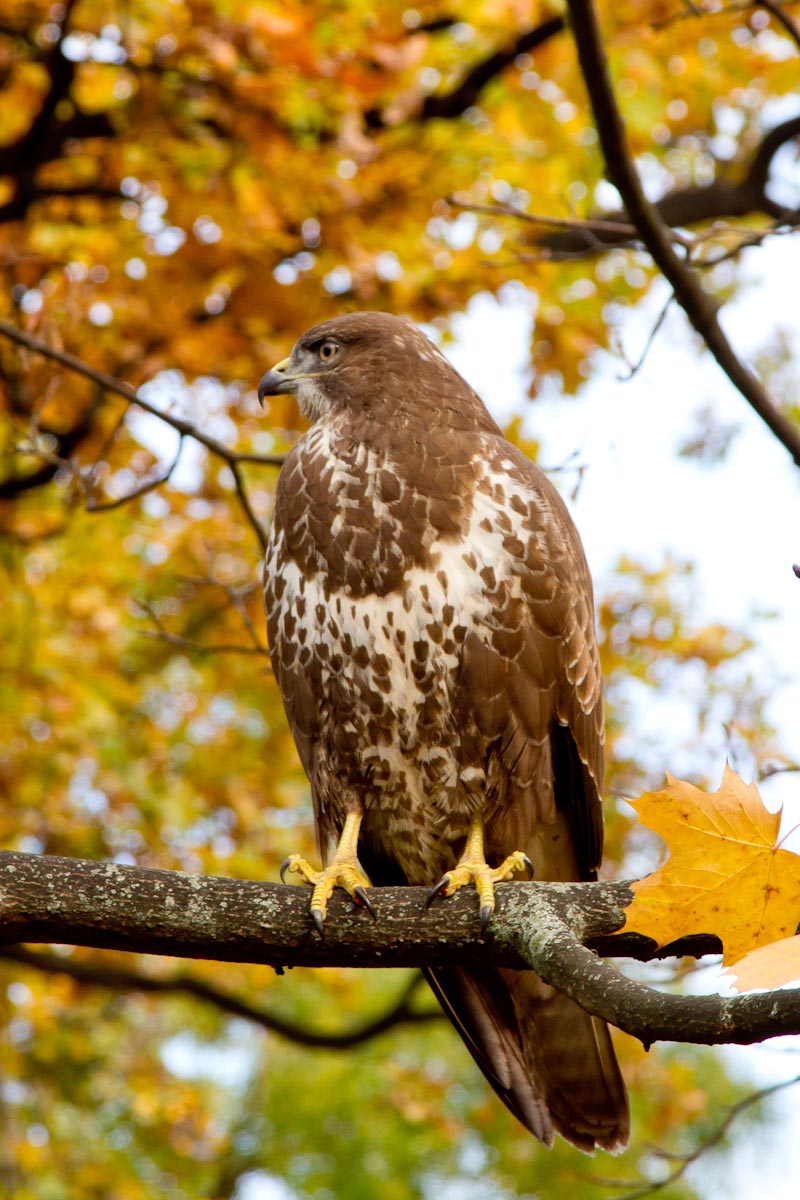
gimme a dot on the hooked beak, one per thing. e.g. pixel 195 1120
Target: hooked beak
pixel 277 380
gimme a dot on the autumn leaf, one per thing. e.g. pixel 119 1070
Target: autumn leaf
pixel 767 967
pixel 726 873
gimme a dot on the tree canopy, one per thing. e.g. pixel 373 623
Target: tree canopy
pixel 184 188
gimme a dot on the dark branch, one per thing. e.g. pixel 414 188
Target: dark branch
pixel 557 929
pixel 652 1188
pixel 700 308
pixel 121 979
pixel 780 15
pixel 65 444
pixel 108 383
pixel 48 134
pixel 717 201
pixel 467 92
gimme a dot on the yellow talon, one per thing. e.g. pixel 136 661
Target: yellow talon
pixel 343 872
pixel 473 868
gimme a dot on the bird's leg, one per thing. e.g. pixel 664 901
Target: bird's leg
pixel 343 872
pixel 473 868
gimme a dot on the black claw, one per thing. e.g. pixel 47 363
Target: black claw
pixel 284 869
pixel 319 921
pixel 529 865
pixel 363 899
pixel 486 913
pixel 434 892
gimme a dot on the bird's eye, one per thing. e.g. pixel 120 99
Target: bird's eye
pixel 327 350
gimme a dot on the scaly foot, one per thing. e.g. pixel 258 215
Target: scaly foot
pixel 343 872
pixel 473 868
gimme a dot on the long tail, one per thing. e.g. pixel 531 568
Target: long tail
pixel 550 1062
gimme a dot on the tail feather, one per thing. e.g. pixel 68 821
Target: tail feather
pixel 484 1017
pixel 551 1063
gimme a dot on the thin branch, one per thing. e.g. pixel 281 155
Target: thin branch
pixel 700 308
pixel 244 500
pixel 611 228
pixel 109 384
pixel 162 634
pixel 83 477
pixel 746 242
pixel 400 1012
pixel 710 1142
pixel 555 929
pixel 65 444
pixel 634 368
pixel 185 428
pixel 691 10
pixel 147 485
pixel 183 643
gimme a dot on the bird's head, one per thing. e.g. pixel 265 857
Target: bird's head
pixel 368 363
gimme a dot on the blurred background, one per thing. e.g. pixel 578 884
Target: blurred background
pixel 185 187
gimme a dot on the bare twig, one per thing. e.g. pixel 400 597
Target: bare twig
pixel 695 204
pixel 65 443
pixel 691 9
pixel 84 478
pixel 106 975
pixel 162 634
pixel 244 500
pixel 634 368
pixel 109 384
pixel 688 1160
pixel 147 485
pixel 600 225
pixel 185 428
pixel 700 307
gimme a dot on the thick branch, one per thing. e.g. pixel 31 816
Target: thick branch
pixel 700 308
pixel 48 134
pixel 694 205
pixel 554 928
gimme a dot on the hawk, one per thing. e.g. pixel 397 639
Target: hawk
pixel 431 627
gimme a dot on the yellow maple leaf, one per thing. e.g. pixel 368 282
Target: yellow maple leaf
pixel 768 967
pixel 725 874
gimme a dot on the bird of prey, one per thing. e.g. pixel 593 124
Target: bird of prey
pixel 431 627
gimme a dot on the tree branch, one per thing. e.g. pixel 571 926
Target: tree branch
pixel 700 308
pixel 48 134
pixel 466 93
pixel 651 1188
pixel 120 979
pixel 783 18
pixel 185 428
pixel 719 200
pixel 109 384
pixel 557 929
